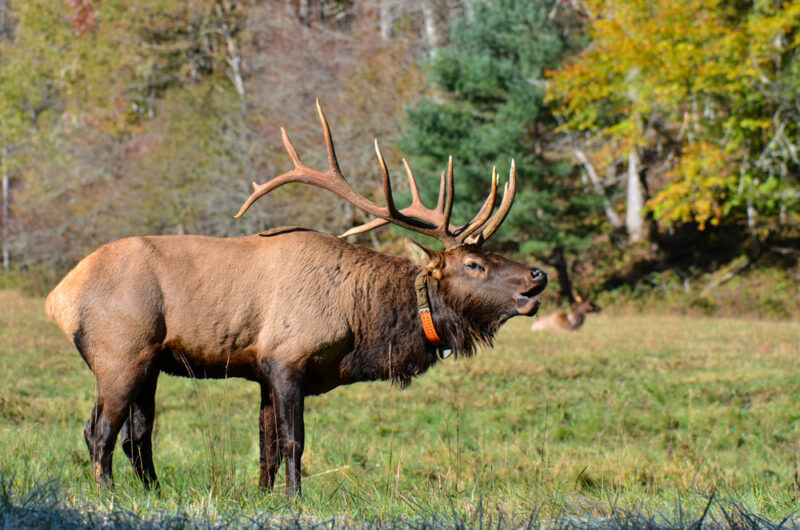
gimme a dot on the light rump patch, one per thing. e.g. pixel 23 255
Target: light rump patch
pixel 61 304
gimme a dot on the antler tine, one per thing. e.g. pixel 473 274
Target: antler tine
pixel 375 223
pixel 449 196
pixel 387 183
pixel 332 180
pixel 366 227
pixel 442 192
pixel 509 191
pixel 259 190
pixel 326 131
pixel 437 217
pixel 287 144
pixel 301 173
pixel 476 231
pixel 416 209
pixel 412 182
pixel 484 213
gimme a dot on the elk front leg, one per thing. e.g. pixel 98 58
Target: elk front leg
pixel 270 457
pixel 287 398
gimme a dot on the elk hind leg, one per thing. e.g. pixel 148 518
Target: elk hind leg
pixel 137 433
pixel 270 455
pixel 116 390
pixel 89 433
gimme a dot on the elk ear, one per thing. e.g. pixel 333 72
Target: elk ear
pixel 420 255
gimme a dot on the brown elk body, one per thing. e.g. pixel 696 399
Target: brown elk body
pixel 566 321
pixel 297 311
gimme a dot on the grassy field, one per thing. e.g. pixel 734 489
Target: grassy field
pixel 636 412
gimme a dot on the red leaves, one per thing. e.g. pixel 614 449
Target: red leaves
pixel 81 16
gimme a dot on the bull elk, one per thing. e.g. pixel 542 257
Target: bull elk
pixel 297 311
pixel 567 321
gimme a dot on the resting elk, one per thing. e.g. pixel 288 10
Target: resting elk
pixel 297 311
pixel 567 321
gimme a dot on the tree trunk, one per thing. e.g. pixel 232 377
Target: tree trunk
pixel 386 22
pixel 431 28
pixel 752 214
pixel 4 206
pixel 750 210
pixel 558 261
pixel 469 10
pixel 234 58
pixel 235 63
pixel 304 12
pixel 634 214
pixel 5 27
pixel 608 208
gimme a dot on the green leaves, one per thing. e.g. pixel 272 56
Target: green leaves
pixel 491 109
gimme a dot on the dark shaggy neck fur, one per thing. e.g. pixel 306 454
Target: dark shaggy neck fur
pixel 388 339
pixel 463 324
pixel 389 342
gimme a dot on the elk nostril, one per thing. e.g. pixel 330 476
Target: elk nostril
pixel 538 275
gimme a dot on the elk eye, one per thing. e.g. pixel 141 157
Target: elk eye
pixel 474 266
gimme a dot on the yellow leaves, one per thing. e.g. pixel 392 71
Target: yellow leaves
pixel 754 124
pixel 700 74
pixel 652 55
pixel 697 187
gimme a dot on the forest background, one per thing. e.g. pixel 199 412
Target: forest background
pixel 656 141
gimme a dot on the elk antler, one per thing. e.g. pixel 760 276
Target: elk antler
pixel 416 217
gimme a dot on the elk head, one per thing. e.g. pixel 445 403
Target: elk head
pixel 486 284
pixel 584 306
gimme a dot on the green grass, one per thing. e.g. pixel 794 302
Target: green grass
pixel 634 412
pixel 765 291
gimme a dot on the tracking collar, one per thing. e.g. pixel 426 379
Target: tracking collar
pixel 424 308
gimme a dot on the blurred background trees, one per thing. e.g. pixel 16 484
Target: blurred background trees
pixel 486 106
pixel 700 99
pixel 648 136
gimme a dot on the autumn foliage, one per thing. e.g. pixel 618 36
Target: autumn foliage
pixel 638 126
pixel 81 15
pixel 706 92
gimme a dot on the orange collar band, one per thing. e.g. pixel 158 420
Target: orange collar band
pixel 420 285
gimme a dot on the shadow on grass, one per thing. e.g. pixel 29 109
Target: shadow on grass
pixel 44 507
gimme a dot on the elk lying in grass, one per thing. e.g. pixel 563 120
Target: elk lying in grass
pixel 297 311
pixel 567 321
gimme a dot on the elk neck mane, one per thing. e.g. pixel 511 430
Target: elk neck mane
pixel 388 340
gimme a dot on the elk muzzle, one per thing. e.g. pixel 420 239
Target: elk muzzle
pixel 527 305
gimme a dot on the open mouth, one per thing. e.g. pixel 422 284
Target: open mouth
pixel 527 305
